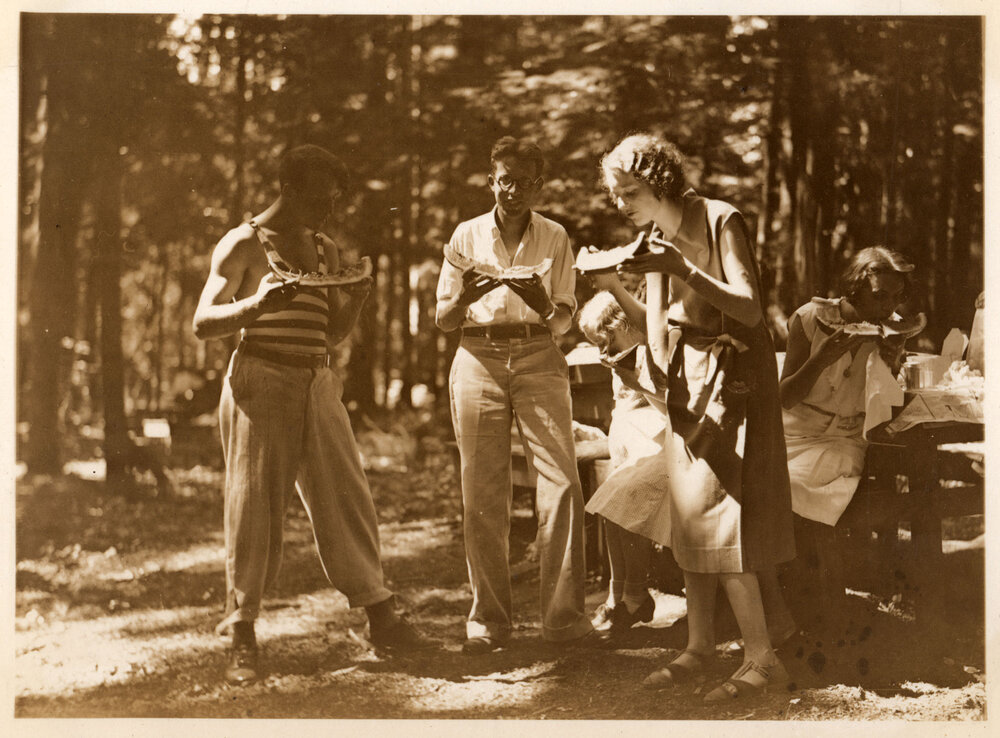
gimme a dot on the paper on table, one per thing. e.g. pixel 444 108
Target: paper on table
pixel 938 405
pixel 882 392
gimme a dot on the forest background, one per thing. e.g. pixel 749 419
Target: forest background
pixel 143 138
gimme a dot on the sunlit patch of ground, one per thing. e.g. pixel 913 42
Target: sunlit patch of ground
pixel 117 600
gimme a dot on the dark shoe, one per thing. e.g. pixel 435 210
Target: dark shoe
pixel 480 645
pixel 590 639
pixel 397 633
pixel 242 667
pixel 622 619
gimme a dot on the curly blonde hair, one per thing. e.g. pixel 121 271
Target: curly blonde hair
pixel 651 160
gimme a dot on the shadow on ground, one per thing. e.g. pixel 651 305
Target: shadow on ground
pixel 117 602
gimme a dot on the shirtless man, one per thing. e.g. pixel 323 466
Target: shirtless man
pixel 282 421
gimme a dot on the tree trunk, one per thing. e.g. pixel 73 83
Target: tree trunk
pixel 107 277
pixel 52 297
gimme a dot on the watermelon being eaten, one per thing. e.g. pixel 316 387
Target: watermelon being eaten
pixel 348 275
pixel 591 260
pixel 893 326
pixel 502 274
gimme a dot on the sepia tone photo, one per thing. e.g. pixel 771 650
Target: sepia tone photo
pixel 510 367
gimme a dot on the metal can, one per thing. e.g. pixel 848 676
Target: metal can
pixel 918 373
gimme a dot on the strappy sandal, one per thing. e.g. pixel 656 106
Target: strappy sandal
pixel 736 688
pixel 674 673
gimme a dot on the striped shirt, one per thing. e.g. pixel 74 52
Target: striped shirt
pixel 300 328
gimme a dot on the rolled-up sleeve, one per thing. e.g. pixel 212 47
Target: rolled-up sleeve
pixel 563 275
pixel 450 279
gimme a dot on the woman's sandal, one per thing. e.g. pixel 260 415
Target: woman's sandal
pixel 674 673
pixel 735 687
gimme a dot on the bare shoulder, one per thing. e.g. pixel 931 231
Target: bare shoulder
pixel 237 249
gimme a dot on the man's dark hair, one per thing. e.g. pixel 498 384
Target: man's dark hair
pixel 509 147
pixel 300 164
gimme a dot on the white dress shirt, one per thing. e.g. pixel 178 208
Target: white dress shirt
pixel 480 239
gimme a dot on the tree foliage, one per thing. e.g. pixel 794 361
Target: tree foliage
pixel 144 138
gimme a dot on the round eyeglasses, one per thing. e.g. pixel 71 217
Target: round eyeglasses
pixel 507 182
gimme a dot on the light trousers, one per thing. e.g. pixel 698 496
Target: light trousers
pixel 285 428
pixel 525 380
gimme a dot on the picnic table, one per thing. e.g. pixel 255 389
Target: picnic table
pixel 942 465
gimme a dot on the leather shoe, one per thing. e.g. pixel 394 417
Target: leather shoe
pixel 622 619
pixel 397 633
pixel 479 645
pixel 242 667
pixel 590 639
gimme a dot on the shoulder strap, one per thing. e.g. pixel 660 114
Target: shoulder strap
pixel 273 257
pixel 321 240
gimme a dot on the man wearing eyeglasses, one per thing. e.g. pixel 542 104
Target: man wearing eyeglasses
pixel 508 368
pixel 282 421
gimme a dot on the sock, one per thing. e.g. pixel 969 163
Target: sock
pixel 382 612
pixel 243 634
pixel 614 594
pixel 633 601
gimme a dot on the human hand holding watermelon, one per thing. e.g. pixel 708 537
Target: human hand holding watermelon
pixel 500 274
pixel 474 286
pixel 532 291
pixel 835 345
pixel 273 294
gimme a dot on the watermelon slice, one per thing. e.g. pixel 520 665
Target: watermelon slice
pixel 592 260
pixel 348 275
pixel 893 326
pixel 905 327
pixel 503 274
pixel 625 359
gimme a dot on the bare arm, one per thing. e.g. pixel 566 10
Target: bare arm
pixel 344 317
pixel 219 313
pixel 737 297
pixel 803 368
pixel 450 311
pixel 634 310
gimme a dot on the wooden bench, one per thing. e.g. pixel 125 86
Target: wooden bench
pixel 919 477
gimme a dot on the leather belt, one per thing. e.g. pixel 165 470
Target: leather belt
pixel 506 331
pixel 304 361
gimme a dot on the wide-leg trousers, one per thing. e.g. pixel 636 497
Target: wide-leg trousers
pixel 285 428
pixel 525 380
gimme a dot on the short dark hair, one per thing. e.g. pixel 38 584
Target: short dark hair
pixel 651 160
pixel 509 147
pixel 874 259
pixel 300 163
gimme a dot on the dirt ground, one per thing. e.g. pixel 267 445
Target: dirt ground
pixel 117 599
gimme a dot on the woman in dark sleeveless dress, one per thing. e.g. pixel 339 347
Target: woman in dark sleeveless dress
pixel 730 509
